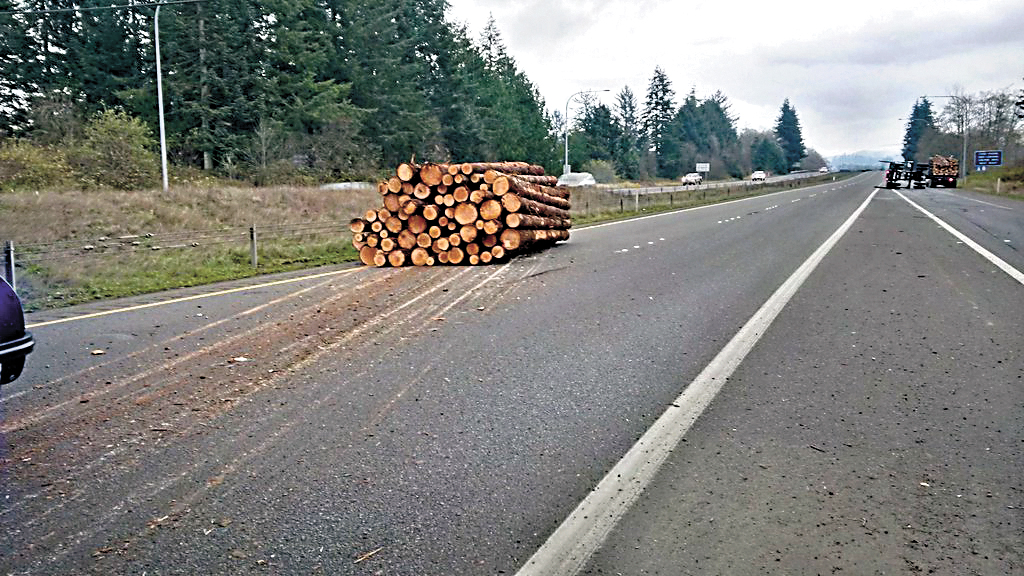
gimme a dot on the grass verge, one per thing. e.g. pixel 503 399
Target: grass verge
pixel 74 247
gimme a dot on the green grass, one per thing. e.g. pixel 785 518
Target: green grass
pixel 52 228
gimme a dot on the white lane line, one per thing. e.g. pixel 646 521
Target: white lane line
pixel 999 262
pixel 571 545
pixel 193 297
pixel 969 199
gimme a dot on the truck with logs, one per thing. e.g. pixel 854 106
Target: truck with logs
pixel 943 171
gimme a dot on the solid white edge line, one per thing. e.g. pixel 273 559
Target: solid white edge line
pixel 572 544
pixel 190 298
pixel 999 262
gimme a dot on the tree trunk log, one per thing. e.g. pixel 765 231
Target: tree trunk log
pixel 513 240
pixel 406 172
pixel 516 203
pixel 516 220
pixel 546 194
pixel 430 174
pixel 397 258
pixel 504 167
pixel 490 210
pixel 419 256
pixel 466 213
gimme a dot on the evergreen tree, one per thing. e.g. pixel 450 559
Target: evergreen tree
pixel 628 146
pixel 766 154
pixel 659 113
pixel 790 139
pixel 601 134
pixel 921 119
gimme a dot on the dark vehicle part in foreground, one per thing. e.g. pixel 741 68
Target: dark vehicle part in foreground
pixel 15 342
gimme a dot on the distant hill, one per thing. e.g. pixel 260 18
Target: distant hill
pixel 862 160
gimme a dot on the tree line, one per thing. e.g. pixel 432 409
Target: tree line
pixel 280 90
pixel 982 121
pixel 337 88
pixel 660 139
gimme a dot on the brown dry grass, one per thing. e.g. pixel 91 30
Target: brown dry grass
pixel 50 216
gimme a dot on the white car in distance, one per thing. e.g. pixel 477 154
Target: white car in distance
pixel 758 176
pixel 692 178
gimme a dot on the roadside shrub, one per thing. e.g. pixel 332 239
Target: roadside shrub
pixel 603 171
pixel 117 151
pixel 25 165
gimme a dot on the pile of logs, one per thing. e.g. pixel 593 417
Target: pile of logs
pixel 472 213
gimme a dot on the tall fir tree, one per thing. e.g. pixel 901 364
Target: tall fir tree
pixel 628 146
pixel 790 138
pixel 921 119
pixel 658 115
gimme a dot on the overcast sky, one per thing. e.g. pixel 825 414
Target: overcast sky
pixel 851 73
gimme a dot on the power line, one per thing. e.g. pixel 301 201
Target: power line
pixel 94 8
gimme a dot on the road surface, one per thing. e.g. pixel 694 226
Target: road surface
pixel 449 420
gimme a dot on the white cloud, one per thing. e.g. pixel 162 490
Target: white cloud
pixel 851 73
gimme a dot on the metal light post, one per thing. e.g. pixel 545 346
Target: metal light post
pixel 160 98
pixel 566 169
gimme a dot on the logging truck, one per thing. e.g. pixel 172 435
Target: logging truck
pixel 943 171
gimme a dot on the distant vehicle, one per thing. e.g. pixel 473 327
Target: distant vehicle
pixel 942 171
pixel 692 178
pixel 823 169
pixel 15 342
pixel 577 179
pixel 893 174
pixel 758 176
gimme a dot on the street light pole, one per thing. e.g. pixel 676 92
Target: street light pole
pixel 566 169
pixel 160 99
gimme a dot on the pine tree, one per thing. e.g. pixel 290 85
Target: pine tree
pixel 921 119
pixel 659 113
pixel 790 139
pixel 766 154
pixel 627 148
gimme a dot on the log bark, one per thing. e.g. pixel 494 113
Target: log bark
pixel 516 203
pixel 517 220
pixel 545 194
pixel 504 167
pixel 513 240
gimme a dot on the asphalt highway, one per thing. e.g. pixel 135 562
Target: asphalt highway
pixel 449 420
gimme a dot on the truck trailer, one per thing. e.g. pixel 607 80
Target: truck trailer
pixel 943 171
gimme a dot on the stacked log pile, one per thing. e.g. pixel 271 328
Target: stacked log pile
pixel 472 213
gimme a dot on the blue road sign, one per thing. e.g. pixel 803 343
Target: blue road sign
pixel 988 157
